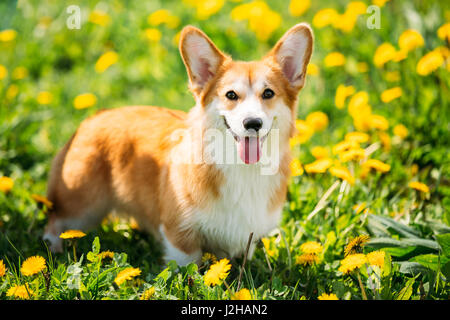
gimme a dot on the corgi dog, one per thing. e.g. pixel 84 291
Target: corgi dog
pixel 201 181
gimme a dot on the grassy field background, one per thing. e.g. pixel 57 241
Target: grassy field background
pixel 125 53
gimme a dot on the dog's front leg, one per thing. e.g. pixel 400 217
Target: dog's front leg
pixel 180 246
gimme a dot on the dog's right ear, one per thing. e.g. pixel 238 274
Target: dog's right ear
pixel 200 56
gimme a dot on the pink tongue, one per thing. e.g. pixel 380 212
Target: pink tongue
pixel 249 149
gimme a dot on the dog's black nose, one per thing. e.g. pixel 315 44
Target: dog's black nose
pixel 253 123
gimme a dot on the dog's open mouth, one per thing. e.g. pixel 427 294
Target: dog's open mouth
pixel 249 148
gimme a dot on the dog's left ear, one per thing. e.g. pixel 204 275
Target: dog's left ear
pixel 292 52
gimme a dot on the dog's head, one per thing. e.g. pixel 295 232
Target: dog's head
pixel 247 98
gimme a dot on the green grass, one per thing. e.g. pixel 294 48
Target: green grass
pixel 411 227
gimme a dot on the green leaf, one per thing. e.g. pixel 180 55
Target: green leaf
pixel 91 256
pixel 400 228
pixel 164 275
pixel 387 266
pixel 191 268
pixel 446 270
pixel 96 245
pixel 429 261
pixel 399 251
pixel 413 268
pixel 406 292
pixel 444 242
pixel 404 243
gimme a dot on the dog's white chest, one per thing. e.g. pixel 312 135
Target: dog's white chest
pixel 242 208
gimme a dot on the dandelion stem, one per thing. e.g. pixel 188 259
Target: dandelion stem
pixel 228 288
pixel 363 291
pixel 74 251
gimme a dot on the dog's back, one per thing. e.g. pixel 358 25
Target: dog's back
pixel 113 161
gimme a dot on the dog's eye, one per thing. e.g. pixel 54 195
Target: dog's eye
pixel 231 95
pixel 268 93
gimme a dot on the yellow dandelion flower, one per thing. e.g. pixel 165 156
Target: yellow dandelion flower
pixel 307 259
pixel 298 7
pixel 106 254
pixel 304 130
pixel 342 92
pixel 311 247
pixel 217 272
pixel 384 53
pixel 271 252
pixel 317 120
pixel 243 294
pixel 378 122
pixel 325 17
pixel 163 16
pixel 319 166
pixel 153 34
pixel 429 63
pixel 2 268
pixel 358 208
pixel 312 69
pixel 22 292
pixel 377 165
pixel 6 184
pixel 355 245
pixel 330 296
pixel 376 258
pixel 352 262
pixel 391 94
pixel 3 72
pixel 358 102
pixel 148 294
pixel 419 186
pixel 126 274
pixel 400 55
pixel 33 265
pixel 43 200
pixel 12 91
pixel 19 73
pixel 296 168
pixel 7 35
pixel 342 173
pixel 105 61
pixel 414 169
pixel 356 136
pixel 385 140
pixel 84 100
pixel 401 131
pixel 444 32
pixel 345 146
pixel 100 18
pixel 380 3
pixel 176 38
pixel 346 21
pixel 356 7
pixel 205 8
pixel 209 257
pixel 410 39
pixel 352 155
pixel 44 97
pixel 334 59
pixel 261 19
pixel 319 152
pixel 72 234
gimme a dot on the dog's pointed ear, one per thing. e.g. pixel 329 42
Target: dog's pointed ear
pixel 292 52
pixel 200 56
